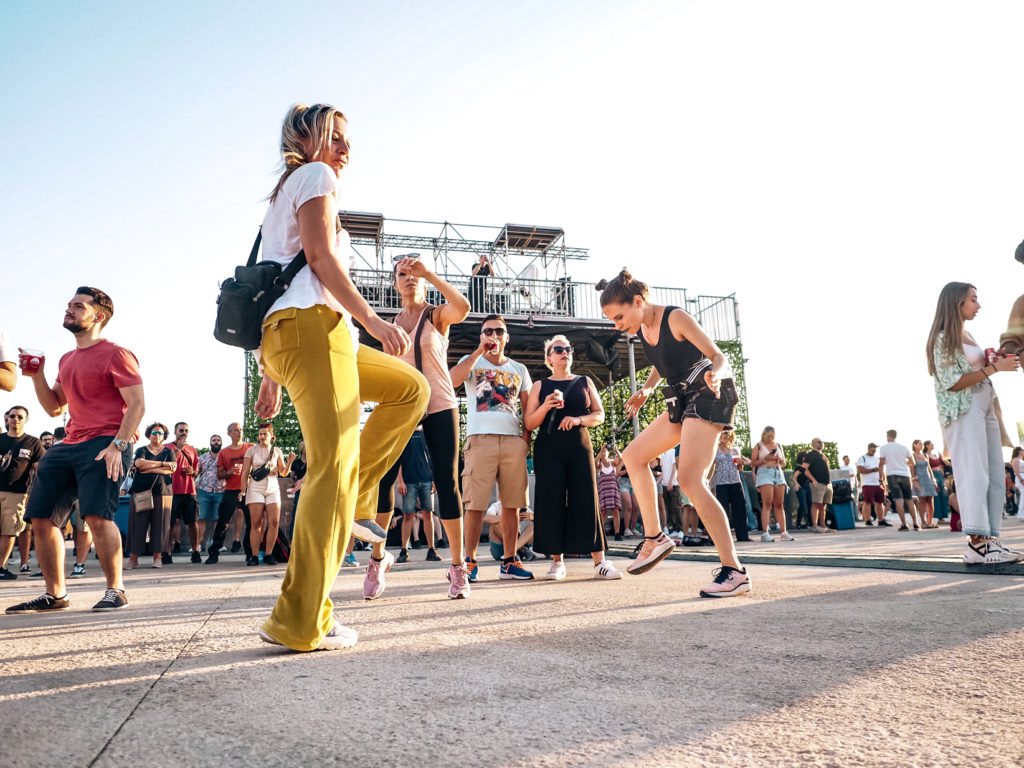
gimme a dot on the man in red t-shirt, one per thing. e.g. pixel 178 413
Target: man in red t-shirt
pixel 184 506
pixel 99 385
pixel 229 469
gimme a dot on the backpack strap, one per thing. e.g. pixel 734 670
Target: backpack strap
pixel 427 314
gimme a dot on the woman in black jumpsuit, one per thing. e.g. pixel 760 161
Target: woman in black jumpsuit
pixel 567 519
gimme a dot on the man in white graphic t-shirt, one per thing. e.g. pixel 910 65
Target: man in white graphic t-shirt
pixel 872 493
pixel 496 442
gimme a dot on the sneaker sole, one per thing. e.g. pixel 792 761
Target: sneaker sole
pixel 105 609
pixel 358 532
pixel 513 577
pixel 740 589
pixel 636 570
pixel 9 612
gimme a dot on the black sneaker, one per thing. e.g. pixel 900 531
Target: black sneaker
pixel 254 560
pixel 112 600
pixel 213 558
pixel 269 560
pixel 403 556
pixel 236 547
pixel 166 558
pixel 432 555
pixel 196 557
pixel 417 545
pixel 177 548
pixel 442 544
pixel 46 602
pixel 6 575
pixel 868 522
pixel 618 537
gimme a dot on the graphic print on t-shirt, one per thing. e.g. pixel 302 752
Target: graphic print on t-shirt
pixel 496 390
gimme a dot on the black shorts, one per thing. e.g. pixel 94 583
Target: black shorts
pixel 899 487
pixel 699 402
pixel 184 507
pixel 71 469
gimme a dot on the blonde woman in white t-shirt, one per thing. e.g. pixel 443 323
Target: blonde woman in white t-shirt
pixel 308 348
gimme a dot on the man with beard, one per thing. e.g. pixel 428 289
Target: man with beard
pixel 99 385
pixel 209 490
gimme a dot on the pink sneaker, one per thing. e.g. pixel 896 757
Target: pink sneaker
pixel 373 584
pixel 652 552
pixel 727 582
pixel 459 578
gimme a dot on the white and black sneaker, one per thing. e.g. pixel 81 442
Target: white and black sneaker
pixel 78 570
pixel 112 600
pixel 989 551
pixel 369 531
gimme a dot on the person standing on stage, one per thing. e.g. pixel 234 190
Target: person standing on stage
pixel 567 518
pixel 700 402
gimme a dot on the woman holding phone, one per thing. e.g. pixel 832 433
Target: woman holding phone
pixel 768 461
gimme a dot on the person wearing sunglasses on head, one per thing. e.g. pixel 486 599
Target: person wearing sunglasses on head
pixel 567 518
pixel 496 444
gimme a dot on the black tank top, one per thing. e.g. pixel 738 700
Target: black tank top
pixel 676 361
pixel 575 399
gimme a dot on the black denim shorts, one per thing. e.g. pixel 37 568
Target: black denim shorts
pixel 699 402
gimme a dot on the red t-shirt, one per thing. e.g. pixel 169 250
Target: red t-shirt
pixel 187 457
pixel 91 378
pixel 230 457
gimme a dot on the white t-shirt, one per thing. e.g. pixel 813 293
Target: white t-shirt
pixel 492 397
pixel 869 478
pixel 852 470
pixel 8 354
pixel 895 456
pixel 281 241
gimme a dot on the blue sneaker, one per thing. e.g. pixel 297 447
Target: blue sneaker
pixel 472 570
pixel 349 561
pixel 514 570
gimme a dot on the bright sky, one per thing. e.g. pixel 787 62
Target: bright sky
pixel 833 164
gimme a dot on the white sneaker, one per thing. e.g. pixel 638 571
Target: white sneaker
pixel 784 536
pixel 766 536
pixel 556 572
pixel 337 637
pixel 605 570
pixel 989 552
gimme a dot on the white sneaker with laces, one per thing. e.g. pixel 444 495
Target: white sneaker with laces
pixel 556 572
pixel 784 536
pixel 766 537
pixel 988 551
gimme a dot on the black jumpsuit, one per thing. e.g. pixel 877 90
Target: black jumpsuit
pixel 567 519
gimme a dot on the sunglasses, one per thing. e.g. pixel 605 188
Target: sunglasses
pixel 559 349
pixel 18 416
pixel 157 432
pixel 499 332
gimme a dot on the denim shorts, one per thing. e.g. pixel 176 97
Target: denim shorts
pixel 625 486
pixel 769 476
pixel 69 465
pixel 418 492
pixel 209 503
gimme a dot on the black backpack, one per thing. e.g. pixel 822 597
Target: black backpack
pixel 245 298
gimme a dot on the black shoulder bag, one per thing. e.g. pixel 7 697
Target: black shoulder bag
pixel 245 298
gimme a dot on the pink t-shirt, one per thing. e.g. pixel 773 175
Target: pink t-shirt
pixel 91 378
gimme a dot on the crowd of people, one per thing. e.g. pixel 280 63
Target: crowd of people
pixel 660 482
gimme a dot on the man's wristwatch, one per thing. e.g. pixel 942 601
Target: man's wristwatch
pixel 121 445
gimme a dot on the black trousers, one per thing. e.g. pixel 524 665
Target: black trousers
pixel 566 516
pixel 441 433
pixel 730 496
pixel 228 504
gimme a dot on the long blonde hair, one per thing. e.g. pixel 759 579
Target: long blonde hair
pixel 949 323
pixel 305 129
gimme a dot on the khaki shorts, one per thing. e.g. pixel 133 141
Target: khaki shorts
pixel 490 459
pixel 12 512
pixel 821 494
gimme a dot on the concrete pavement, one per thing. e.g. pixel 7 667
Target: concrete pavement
pixel 818 667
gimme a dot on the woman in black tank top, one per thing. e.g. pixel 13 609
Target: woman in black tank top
pixel 700 401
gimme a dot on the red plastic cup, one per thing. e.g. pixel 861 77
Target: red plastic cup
pixel 30 360
pixel 561 398
pixel 990 355
pixel 491 346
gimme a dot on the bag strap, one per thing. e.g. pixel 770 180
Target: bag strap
pixel 427 313
pixel 288 274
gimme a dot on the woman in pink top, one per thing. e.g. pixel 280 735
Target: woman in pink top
pixel 427 327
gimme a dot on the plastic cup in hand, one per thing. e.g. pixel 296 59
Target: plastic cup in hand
pixel 29 361
pixel 491 346
pixel 561 398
